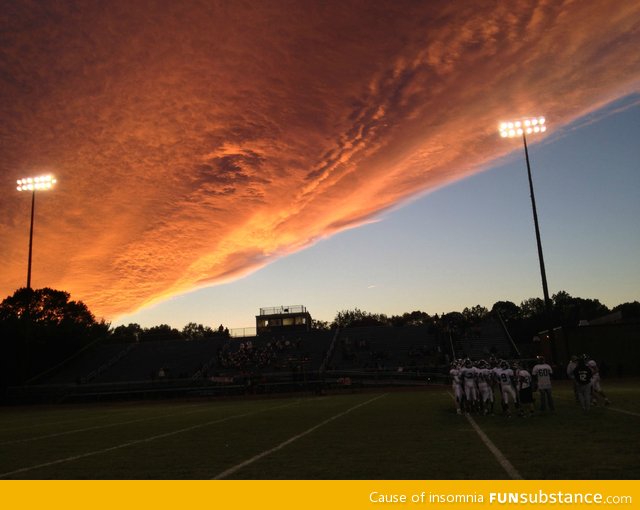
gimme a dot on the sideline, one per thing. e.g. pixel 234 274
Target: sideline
pixel 500 457
pixel 255 458
pixel 139 441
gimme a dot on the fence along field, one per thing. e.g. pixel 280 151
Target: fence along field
pixel 361 435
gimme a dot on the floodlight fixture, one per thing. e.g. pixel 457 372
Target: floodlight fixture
pixel 522 127
pixel 42 182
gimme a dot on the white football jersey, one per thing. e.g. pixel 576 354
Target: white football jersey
pixel 485 375
pixel 469 375
pixel 504 376
pixel 524 379
pixel 543 372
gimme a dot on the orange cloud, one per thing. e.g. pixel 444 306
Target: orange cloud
pixel 195 143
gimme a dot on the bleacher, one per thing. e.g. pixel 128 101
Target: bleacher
pixel 162 359
pixel 267 363
pixel 485 340
pixel 280 352
pixel 114 363
pixel 385 348
pixel 86 363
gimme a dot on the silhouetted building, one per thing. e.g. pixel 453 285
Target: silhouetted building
pixel 283 319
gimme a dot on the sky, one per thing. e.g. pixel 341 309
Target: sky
pixel 213 158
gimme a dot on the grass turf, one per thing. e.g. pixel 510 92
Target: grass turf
pixel 401 435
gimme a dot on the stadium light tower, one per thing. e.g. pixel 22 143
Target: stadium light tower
pixel 524 127
pixel 33 184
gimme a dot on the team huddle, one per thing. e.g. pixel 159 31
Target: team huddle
pixel 475 384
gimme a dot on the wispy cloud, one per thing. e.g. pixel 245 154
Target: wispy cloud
pixel 196 143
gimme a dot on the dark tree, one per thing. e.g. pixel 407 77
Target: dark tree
pixel 161 332
pixel 358 318
pixel 532 308
pixel 453 322
pixel 130 333
pixel 569 311
pixel 415 318
pixel 41 328
pixel 320 325
pixel 629 310
pixel 193 331
pixel 475 315
pixel 507 310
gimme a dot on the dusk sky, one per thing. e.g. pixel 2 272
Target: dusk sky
pixel 216 157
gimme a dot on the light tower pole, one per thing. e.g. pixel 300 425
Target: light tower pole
pixel 523 128
pixel 42 183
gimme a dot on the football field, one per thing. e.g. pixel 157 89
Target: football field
pixel 410 434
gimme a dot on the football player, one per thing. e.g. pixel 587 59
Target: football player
pixel 542 373
pixel 505 378
pixel 456 385
pixel 525 391
pixel 583 374
pixel 469 374
pixel 485 381
pixel 596 388
pixel 570 368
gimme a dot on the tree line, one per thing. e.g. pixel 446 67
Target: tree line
pixel 524 320
pixel 135 333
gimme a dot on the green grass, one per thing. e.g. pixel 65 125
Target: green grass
pixel 401 435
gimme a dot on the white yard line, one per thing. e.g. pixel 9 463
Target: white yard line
pixel 500 457
pixel 504 462
pixel 137 441
pixel 624 411
pixel 255 458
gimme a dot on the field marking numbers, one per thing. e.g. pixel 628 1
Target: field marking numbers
pixel 97 427
pixel 138 441
pixel 500 457
pixel 255 458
